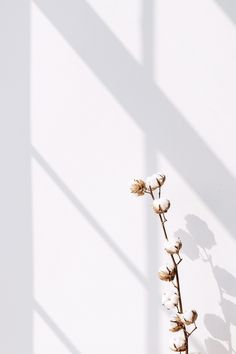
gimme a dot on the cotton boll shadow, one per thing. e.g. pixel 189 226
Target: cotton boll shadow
pixel 229 311
pixel 215 347
pixel 189 248
pixel 200 231
pixel 217 327
pixel 198 236
pixel 225 280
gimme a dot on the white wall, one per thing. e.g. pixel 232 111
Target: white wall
pixel 121 89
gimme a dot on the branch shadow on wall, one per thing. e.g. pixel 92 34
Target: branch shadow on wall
pixel 198 241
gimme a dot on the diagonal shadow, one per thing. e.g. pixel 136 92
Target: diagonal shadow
pixel 146 103
pixel 229 7
pixel 92 221
pixel 54 327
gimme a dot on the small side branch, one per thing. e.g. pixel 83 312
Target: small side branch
pixel 180 260
pixel 189 334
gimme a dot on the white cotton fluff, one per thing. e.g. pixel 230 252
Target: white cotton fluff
pixel 178 342
pixel 156 180
pixel 170 300
pixel 152 182
pixel 173 245
pixel 161 205
pixel 167 268
pixel 189 317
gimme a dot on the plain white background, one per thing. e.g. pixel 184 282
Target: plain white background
pixel 97 93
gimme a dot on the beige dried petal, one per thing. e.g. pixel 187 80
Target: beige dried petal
pixel 167 272
pixel 138 187
pixel 175 323
pixel 178 348
pixel 175 327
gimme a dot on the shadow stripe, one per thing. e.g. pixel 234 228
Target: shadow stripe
pixel 54 327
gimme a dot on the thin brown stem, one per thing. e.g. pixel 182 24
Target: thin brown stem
pixel 176 266
pixel 147 192
pixel 159 186
pixel 174 285
pixel 177 283
pixel 180 260
pixel 164 230
pixel 151 192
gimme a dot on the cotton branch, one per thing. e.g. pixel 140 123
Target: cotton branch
pixel 170 271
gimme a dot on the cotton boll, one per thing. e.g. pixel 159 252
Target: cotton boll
pixel 189 317
pixel 152 182
pixel 175 323
pixel 161 178
pixel 167 272
pixel 175 327
pixel 173 245
pixel 170 300
pixel 161 205
pixel 155 181
pixel 178 342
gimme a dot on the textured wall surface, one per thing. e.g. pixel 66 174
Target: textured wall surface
pixel 121 89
